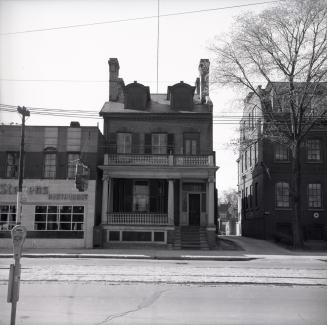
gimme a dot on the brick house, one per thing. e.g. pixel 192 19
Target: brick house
pixel 264 176
pixel 54 212
pixel 159 166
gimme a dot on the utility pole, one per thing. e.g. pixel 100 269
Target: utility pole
pixel 24 112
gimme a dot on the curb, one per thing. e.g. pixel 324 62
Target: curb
pixel 137 257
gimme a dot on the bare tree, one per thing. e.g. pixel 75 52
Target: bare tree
pixel 286 43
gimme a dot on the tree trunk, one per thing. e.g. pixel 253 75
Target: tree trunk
pixel 296 195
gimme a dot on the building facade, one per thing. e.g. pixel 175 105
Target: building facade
pixel 159 167
pixel 54 212
pixel 264 174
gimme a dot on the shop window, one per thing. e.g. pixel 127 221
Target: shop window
pixel 313 150
pixel 124 142
pixel 7 217
pixel 282 195
pixel 59 218
pixel 12 164
pixel 72 159
pixel 314 196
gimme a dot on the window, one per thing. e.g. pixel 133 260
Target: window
pixel 190 147
pixel 281 152
pixel 59 218
pixel 251 195
pixel 246 198
pixel 50 164
pixel 313 149
pixel 72 161
pixel 314 196
pixel 282 195
pixel 124 143
pixel 141 196
pixel 159 143
pixel 256 194
pixel 250 156
pixel 12 164
pixel 7 217
pixel 256 152
pixel 246 160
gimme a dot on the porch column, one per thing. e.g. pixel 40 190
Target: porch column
pixel 105 195
pixel 171 201
pixel 211 202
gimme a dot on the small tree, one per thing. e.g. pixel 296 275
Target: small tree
pixel 285 43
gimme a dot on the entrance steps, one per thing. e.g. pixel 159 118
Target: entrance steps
pixel 191 237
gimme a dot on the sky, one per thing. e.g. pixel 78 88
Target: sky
pixel 67 68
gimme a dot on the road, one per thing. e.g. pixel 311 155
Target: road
pixel 272 290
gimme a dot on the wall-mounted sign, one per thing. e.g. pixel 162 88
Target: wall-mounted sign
pixel 28 190
pixel 67 197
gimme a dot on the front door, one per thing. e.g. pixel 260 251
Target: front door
pixel 194 209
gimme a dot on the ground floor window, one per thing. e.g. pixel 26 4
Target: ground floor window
pixel 141 196
pixel 7 217
pixel 314 196
pixel 282 195
pixel 59 217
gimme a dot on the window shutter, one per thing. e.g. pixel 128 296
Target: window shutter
pixel 112 142
pixel 135 143
pixel 147 143
pixel 128 195
pixel 170 141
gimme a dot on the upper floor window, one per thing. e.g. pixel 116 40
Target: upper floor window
pixel 281 152
pixel 191 142
pixel 12 164
pixel 246 160
pixel 313 150
pixel 72 158
pixel 50 164
pixel 282 195
pixel 314 196
pixel 124 142
pixel 159 143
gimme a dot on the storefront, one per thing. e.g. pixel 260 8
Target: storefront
pixel 54 213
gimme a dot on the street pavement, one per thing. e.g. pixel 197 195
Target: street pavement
pixel 247 282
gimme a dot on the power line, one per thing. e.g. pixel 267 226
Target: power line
pixel 135 19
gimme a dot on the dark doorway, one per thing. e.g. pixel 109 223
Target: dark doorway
pixel 194 209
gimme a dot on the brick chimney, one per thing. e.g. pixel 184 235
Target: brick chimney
pixel 114 81
pixel 204 79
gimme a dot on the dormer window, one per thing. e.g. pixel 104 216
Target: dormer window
pixel 181 96
pixel 136 96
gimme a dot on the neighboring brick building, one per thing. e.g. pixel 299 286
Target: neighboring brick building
pixel 54 212
pixel 159 169
pixel 265 175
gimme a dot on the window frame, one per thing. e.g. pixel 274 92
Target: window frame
pixel 16 155
pixel 10 219
pixel 48 152
pixel 72 166
pixel 159 149
pixel 280 204
pixel 319 148
pixel 312 207
pixel 281 150
pixel 136 196
pixel 124 147
pixel 57 217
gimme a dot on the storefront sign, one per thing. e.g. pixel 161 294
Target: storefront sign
pixel 67 197
pixel 28 190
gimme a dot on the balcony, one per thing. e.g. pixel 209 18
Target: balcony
pixel 130 218
pixel 159 160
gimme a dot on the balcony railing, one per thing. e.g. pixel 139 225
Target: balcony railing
pixel 159 160
pixel 130 218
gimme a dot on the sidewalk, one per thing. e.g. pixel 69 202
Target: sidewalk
pixel 230 248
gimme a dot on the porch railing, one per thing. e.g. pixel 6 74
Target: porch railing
pixel 126 218
pixel 159 160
